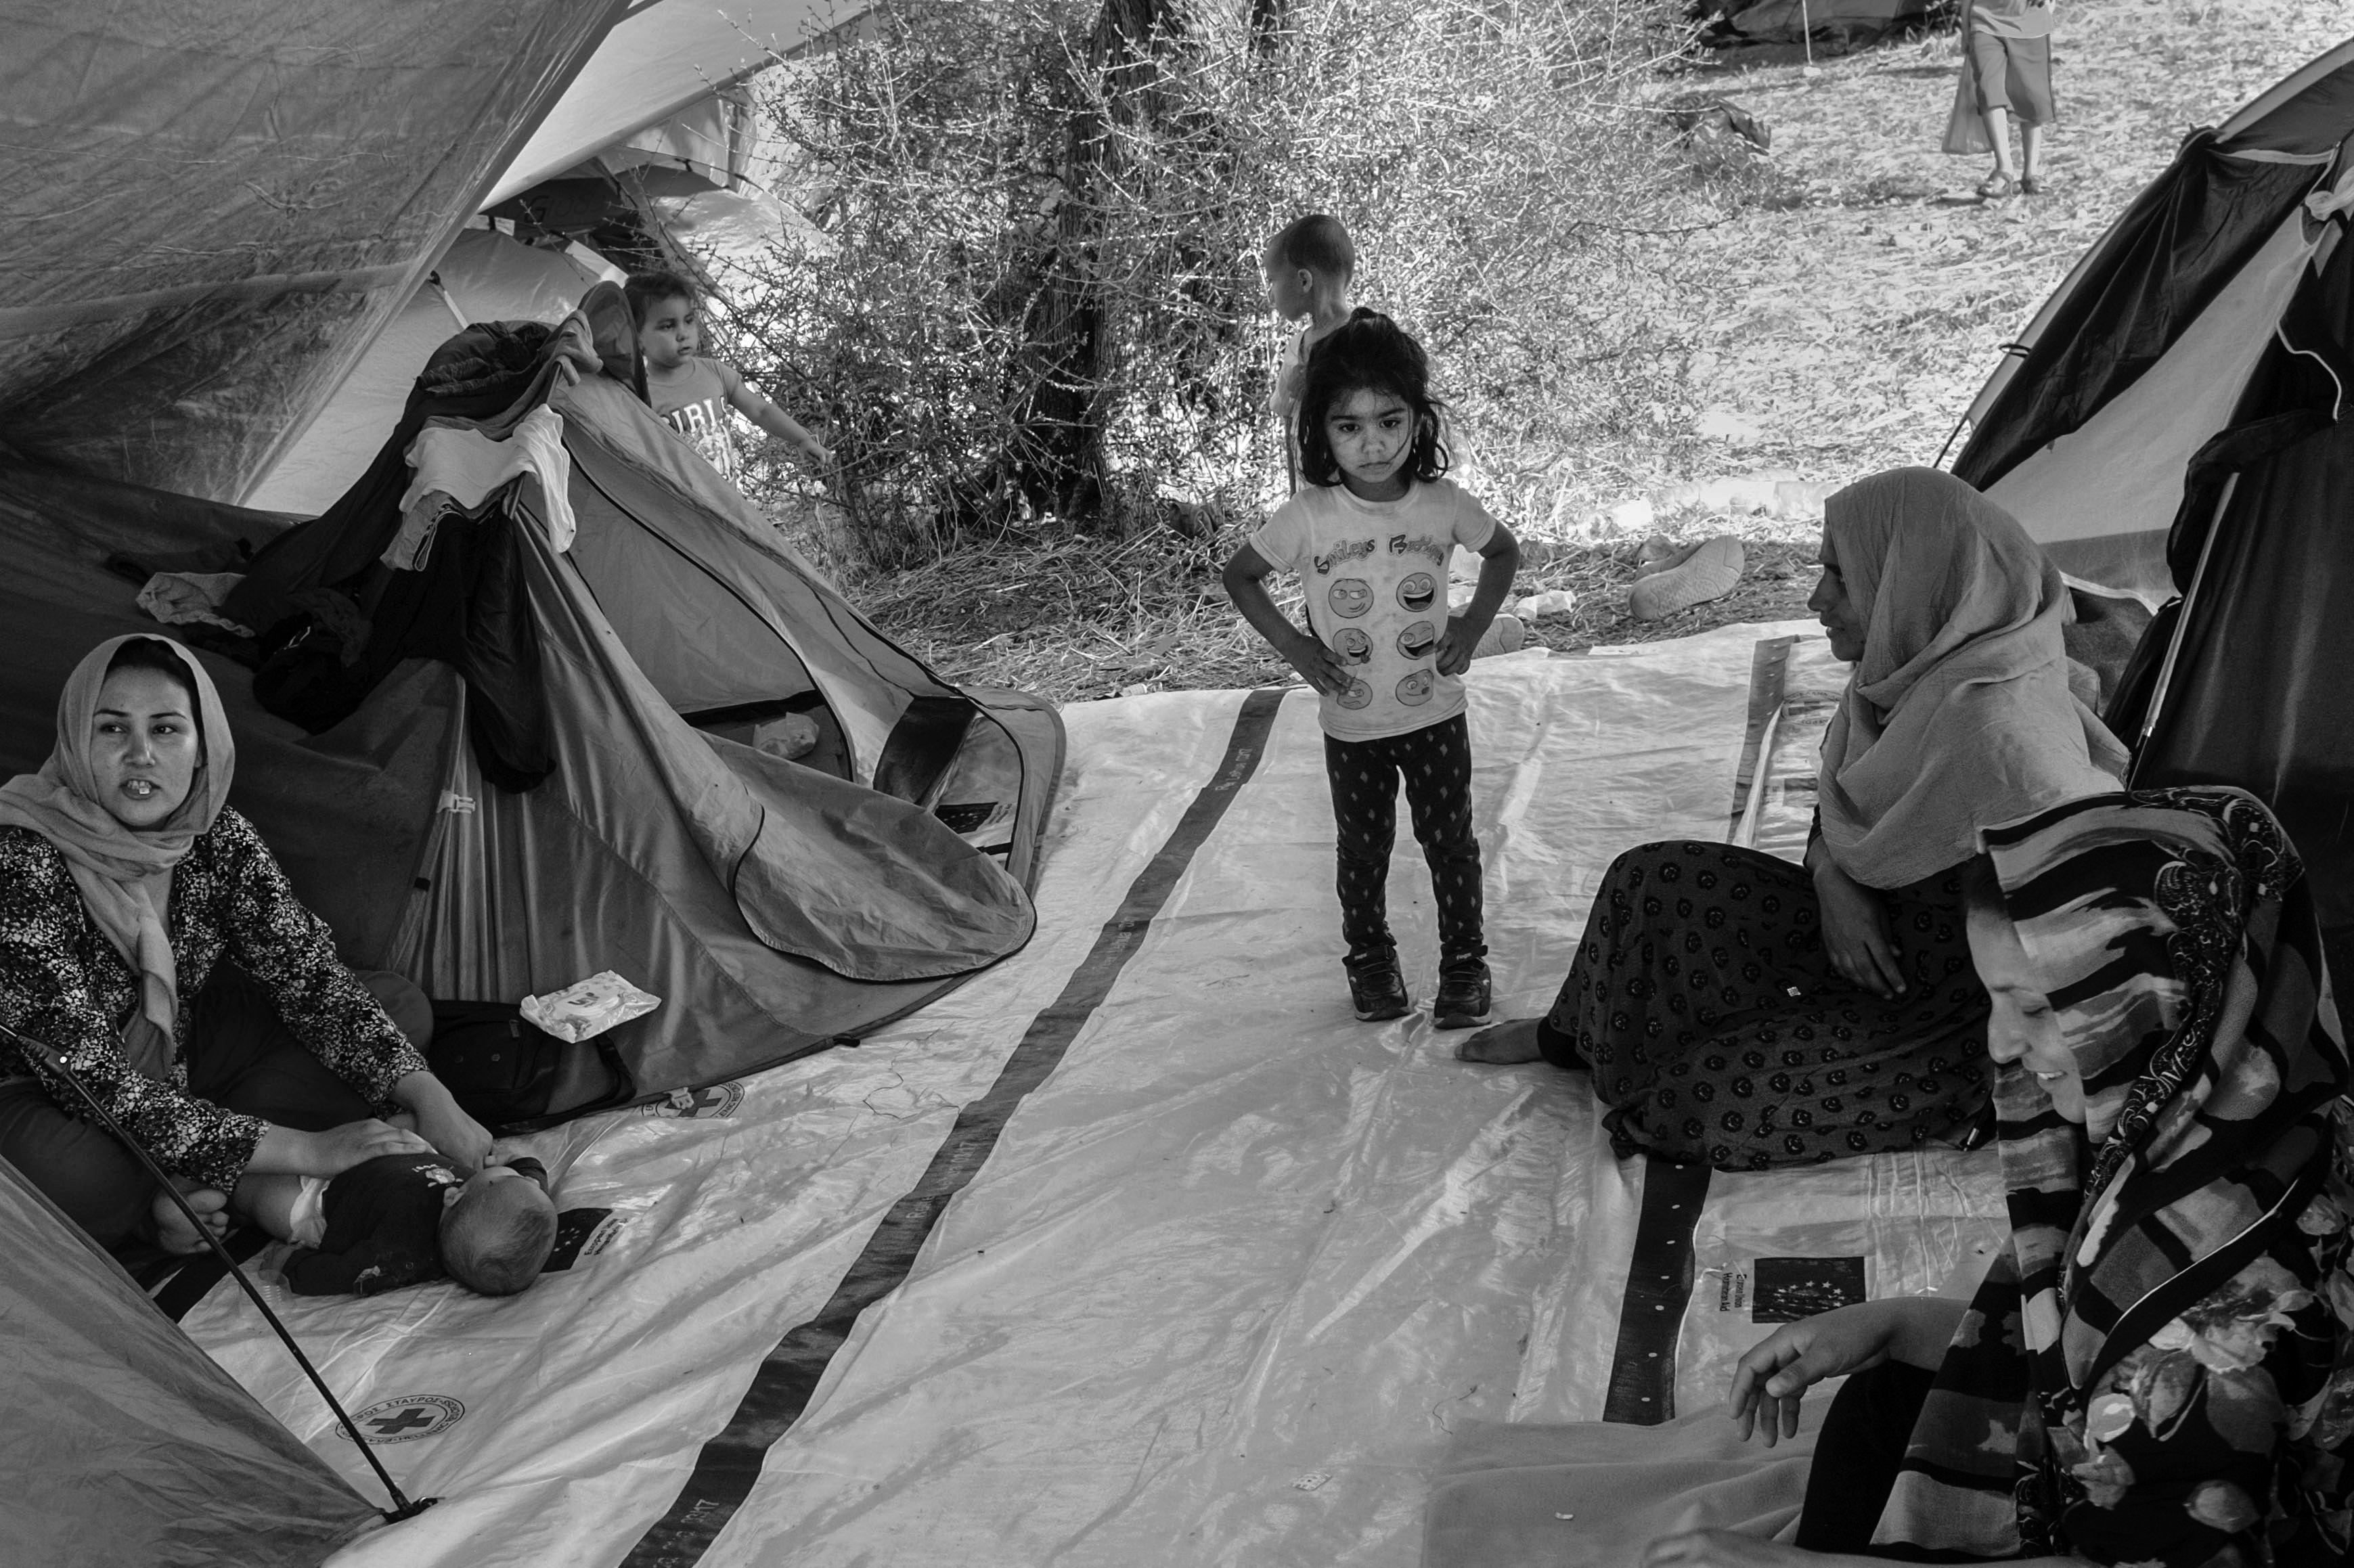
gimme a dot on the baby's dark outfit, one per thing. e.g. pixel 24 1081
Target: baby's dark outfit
pixel 384 1228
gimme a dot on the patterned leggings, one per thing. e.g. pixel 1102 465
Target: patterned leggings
pixel 1436 764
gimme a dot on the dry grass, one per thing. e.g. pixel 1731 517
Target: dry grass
pixel 1077 622
pixel 1859 304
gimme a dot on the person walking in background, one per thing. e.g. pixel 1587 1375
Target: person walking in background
pixel 2005 75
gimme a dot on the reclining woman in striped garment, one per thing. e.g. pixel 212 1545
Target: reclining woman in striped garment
pixel 127 887
pixel 1738 1009
pixel 2159 1369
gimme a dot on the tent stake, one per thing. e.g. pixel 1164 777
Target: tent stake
pixel 2181 626
pixel 402 1508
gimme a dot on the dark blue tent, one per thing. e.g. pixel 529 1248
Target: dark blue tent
pixel 2174 423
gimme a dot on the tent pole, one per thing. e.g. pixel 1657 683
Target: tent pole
pixel 402 1508
pixel 1956 431
pixel 2181 624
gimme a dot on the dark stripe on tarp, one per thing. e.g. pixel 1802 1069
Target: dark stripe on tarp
pixel 730 1463
pixel 1658 1287
pixel 176 1291
pixel 1769 673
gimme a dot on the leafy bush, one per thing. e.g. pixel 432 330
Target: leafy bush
pixel 1040 306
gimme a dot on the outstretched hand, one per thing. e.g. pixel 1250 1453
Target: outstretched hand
pixel 459 1138
pixel 339 1149
pixel 1770 1379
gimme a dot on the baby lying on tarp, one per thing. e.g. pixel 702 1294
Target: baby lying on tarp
pixel 406 1219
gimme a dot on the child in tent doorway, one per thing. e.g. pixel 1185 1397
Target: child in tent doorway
pixel 406 1219
pixel 692 395
pixel 1307 267
pixel 1369 535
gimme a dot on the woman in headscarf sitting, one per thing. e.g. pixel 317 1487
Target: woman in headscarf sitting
pixel 2159 1369
pixel 1737 1009
pixel 126 886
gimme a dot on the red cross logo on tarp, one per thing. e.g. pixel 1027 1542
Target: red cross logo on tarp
pixel 408 1420
pixel 404 1420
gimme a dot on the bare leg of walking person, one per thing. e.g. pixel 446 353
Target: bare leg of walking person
pixel 2031 158
pixel 2006 173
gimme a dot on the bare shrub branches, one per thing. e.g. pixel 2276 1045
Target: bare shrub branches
pixel 1041 299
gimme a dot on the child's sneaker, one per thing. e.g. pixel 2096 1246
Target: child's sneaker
pixel 1462 1000
pixel 1694 576
pixel 1378 990
pixel 1505 634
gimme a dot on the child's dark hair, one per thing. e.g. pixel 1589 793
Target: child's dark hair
pixel 1317 242
pixel 1368 350
pixel 646 290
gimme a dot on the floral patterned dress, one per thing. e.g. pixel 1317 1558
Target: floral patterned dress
pixel 2159 1369
pixel 62 982
pixel 2182 1458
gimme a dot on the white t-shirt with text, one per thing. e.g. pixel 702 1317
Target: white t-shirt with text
pixel 1375 576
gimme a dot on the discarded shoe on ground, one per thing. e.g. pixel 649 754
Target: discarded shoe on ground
pixel 1694 574
pixel 1505 634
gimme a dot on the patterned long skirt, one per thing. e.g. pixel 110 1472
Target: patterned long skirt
pixel 1716 1029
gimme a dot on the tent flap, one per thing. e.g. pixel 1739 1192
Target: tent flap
pixel 124 1442
pixel 2183 241
pixel 218 206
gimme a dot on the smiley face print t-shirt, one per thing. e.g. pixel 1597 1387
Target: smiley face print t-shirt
pixel 1374 573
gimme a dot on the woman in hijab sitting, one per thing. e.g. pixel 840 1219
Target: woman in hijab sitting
pixel 1737 1009
pixel 126 886
pixel 2157 1370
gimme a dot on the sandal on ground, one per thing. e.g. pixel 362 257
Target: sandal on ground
pixel 1996 186
pixel 2033 185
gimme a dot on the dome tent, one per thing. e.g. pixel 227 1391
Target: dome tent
pixel 219 208
pixel 125 1443
pixel 173 327
pixel 2172 425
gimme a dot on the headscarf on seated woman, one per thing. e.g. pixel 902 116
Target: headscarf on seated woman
pixel 1959 714
pixel 124 873
pixel 2157 1367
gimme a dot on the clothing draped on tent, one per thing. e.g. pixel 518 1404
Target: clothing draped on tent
pixel 529 766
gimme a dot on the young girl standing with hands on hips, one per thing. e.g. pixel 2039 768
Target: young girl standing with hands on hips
pixel 1369 535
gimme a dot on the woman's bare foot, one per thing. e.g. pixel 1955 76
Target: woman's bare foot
pixel 1503 1044
pixel 173 1232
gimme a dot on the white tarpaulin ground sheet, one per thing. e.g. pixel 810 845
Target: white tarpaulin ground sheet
pixel 1217 1287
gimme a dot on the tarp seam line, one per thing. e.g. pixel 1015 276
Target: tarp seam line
pixel 730 1463
pixel 1659 1279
